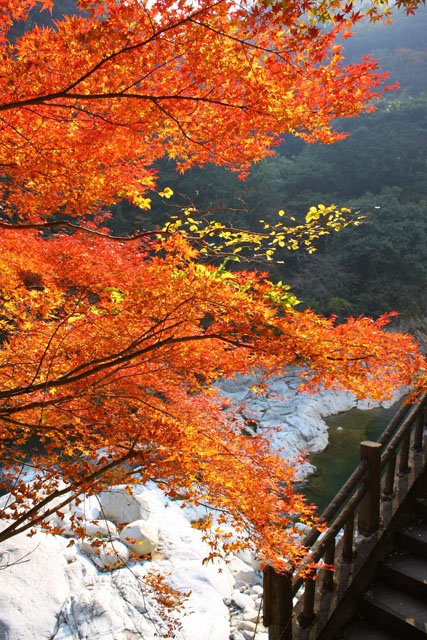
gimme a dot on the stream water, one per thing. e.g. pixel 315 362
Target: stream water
pixel 335 463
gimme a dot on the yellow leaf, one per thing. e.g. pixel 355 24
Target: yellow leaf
pixel 166 193
pixel 142 203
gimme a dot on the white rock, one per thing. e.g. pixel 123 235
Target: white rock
pixel 101 528
pixel 86 508
pixel 139 537
pixel 65 525
pixel 114 554
pixel 252 616
pixel 245 555
pixel 104 606
pixel 5 501
pixel 56 502
pixel 236 564
pixel 33 586
pixel 94 528
pixel 302 528
pixel 242 600
pixel 71 599
pixel 246 625
pixel 245 577
pixel 257 588
pixel 119 506
pixel 300 416
pixel 87 547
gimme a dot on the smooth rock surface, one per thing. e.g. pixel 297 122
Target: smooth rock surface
pixel 118 506
pixel 114 554
pixel 139 537
pixel 101 528
pixel 242 600
pixel 56 593
pixel 33 586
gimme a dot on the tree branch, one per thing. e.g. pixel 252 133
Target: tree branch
pixel 76 488
pixel 113 361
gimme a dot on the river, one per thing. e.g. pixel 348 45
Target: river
pixel 335 463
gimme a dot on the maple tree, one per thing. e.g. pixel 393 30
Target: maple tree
pixel 110 348
pixel 200 81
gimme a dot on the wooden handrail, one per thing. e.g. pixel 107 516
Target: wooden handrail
pixel 394 422
pixel 332 532
pixel 403 429
pixel 362 492
pixel 346 490
pixel 331 511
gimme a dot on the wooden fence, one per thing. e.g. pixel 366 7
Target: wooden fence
pixel 359 502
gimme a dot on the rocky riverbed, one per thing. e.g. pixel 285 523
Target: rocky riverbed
pixel 58 588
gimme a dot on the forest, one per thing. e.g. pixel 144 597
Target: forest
pixel 379 170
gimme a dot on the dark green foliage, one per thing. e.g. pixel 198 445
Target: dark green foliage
pixel 380 170
pixel 374 268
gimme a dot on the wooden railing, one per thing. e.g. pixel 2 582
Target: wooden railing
pixel 371 484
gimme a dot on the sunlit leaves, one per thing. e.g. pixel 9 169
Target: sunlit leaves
pixel 224 85
pixel 143 203
pixel 215 238
pixel 166 193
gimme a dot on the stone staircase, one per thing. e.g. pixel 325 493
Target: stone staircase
pixel 395 606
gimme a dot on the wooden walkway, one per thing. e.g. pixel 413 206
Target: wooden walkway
pixel 374 502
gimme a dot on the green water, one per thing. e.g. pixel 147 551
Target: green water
pixel 341 456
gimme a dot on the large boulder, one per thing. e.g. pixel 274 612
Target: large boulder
pixel 119 506
pixel 33 586
pixel 114 555
pixel 101 529
pixel 51 590
pixel 139 538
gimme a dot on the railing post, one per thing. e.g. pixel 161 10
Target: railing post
pixel 419 430
pixel 347 548
pixel 277 612
pixel 369 508
pixel 329 559
pixel 307 615
pixel 404 453
pixel 388 488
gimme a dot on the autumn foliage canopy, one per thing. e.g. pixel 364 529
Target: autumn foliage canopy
pixel 110 349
